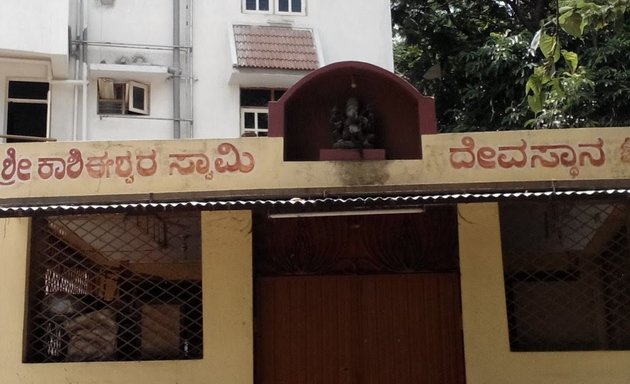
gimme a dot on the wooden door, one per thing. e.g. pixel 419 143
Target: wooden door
pixel 381 328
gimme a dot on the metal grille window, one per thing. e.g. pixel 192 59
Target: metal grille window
pixel 567 275
pixel 115 287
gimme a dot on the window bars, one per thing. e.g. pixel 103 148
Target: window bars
pixel 114 287
pixel 567 275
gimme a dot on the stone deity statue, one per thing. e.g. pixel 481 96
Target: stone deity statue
pixel 353 129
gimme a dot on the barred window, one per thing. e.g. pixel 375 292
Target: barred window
pixel 567 275
pixel 114 287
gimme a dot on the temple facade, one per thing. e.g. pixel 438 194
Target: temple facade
pixel 201 193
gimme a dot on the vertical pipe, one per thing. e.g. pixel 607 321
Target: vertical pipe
pixel 48 109
pixel 191 71
pixel 84 72
pixel 84 130
pixel 178 72
pixel 75 102
pixel 76 75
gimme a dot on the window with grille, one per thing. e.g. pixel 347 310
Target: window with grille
pixel 114 287
pixel 254 110
pixel 567 275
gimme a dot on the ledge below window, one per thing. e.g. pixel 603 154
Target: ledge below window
pixel 136 71
pixel 265 78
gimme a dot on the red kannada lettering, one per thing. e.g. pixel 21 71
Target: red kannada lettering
pixel 558 154
pixel 503 160
pixel 468 160
pixel 71 167
pixel 547 156
pixel 47 166
pixel 124 168
pixel 12 167
pixel 587 155
pixel 222 166
pixel 99 166
pixel 147 164
pixel 201 165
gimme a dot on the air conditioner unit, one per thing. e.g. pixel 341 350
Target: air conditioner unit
pixel 122 97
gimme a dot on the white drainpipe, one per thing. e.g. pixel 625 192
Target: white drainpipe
pixel 84 130
pixel 177 124
pixel 80 76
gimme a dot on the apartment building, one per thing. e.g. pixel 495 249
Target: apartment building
pixel 120 70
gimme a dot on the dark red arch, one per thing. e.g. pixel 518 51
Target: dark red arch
pixel 402 113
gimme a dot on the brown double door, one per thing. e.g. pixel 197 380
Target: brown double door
pixel 380 328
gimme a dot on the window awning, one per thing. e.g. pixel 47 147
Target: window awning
pixel 300 204
pixel 273 47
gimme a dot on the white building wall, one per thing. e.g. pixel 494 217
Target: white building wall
pixel 62 110
pixel 127 25
pixel 354 30
pixel 345 30
pixel 34 46
pixel 36 28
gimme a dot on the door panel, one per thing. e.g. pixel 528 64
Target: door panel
pixel 358 329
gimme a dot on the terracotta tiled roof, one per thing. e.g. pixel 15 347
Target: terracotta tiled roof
pixel 275 48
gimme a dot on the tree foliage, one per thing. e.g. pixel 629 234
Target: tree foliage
pixel 517 63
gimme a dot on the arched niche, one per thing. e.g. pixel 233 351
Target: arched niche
pixel 302 115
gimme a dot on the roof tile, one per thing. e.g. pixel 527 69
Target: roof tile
pixel 275 48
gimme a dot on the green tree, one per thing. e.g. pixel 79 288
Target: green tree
pixel 561 91
pixel 512 64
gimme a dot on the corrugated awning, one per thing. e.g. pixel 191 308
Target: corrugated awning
pixel 310 204
pixel 275 48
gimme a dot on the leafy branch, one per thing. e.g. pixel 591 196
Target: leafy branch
pixel 552 83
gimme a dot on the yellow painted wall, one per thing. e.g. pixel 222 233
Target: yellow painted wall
pixel 227 300
pixel 227 315
pixel 487 351
pixel 250 166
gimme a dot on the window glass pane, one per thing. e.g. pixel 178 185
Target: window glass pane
pixel 250 5
pixel 119 91
pixel 263 119
pixel 26 120
pixel 262 134
pixel 249 120
pixel 138 97
pixel 283 5
pixel 263 5
pixel 296 6
pixel 255 97
pixel 28 90
pixel 277 94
